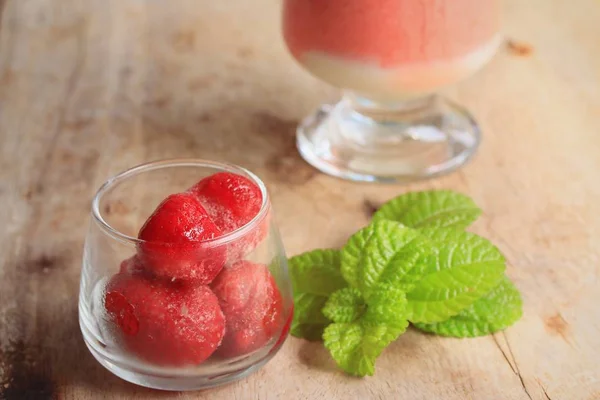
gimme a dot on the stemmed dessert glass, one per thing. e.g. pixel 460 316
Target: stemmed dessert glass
pixel 145 342
pixel 390 57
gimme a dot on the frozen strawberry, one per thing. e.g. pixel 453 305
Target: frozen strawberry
pixel 232 201
pixel 164 323
pixel 173 236
pixel 252 305
pixel 131 265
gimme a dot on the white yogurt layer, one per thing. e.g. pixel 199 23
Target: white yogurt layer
pixel 404 81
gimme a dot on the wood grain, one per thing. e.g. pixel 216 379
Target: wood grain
pixel 90 87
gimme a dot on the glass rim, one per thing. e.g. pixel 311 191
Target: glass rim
pixel 180 162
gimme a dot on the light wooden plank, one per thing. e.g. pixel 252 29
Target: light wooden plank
pixel 88 88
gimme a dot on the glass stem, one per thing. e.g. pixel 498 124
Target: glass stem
pixel 368 106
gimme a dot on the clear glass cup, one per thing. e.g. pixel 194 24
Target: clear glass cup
pixel 390 57
pixel 165 333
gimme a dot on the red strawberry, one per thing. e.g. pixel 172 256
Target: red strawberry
pixel 252 305
pixel 165 323
pixel 231 200
pixel 172 237
pixel 131 265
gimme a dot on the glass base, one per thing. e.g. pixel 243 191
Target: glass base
pixel 360 140
pixel 207 375
pixel 175 382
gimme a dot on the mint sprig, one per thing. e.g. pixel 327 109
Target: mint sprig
pixel 315 276
pixel 413 263
pixel 434 209
pixel 492 313
pixel 345 305
pixel 462 268
pixel 356 346
pixel 384 251
pixel 357 338
pixel 309 321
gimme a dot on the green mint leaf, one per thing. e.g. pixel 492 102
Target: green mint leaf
pixel 463 268
pixel 494 312
pixel 308 321
pixel 316 272
pixel 345 305
pixel 315 275
pixel 434 208
pixel 356 345
pixel 384 251
pixel 387 305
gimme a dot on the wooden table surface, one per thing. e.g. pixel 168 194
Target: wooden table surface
pixel 91 87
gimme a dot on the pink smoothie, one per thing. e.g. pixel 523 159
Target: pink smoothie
pixel 391 48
